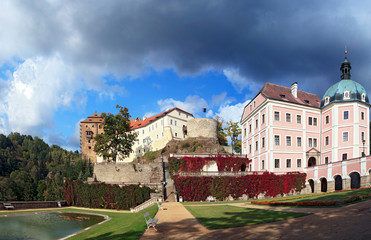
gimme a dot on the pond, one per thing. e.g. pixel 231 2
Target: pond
pixel 45 226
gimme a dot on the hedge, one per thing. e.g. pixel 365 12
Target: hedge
pixel 103 195
pixel 269 184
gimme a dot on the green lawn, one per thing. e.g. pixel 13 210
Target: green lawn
pixel 217 202
pixel 224 216
pixel 121 226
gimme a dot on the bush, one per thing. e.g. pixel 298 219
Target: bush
pixel 269 184
pixel 185 145
pixel 103 195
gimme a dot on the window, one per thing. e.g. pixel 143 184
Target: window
pixel 250 128
pixel 263 142
pixel 263 119
pixel 250 107
pixel 288 117
pixel 288 141
pixel 175 123
pixel 346 95
pixel 298 119
pixel 244 132
pixel 179 113
pixel 326 160
pixel 298 163
pixel 346 115
pixel 298 141
pixel 139 151
pixel 363 115
pixel 310 142
pixel 327 100
pixel 89 133
pixel 276 163
pixel 256 123
pixel 288 163
pixel 276 140
pixel 262 167
pixel 312 121
pixel 327 119
pixel 250 148
pixel 92 126
pixel 363 97
pixel 344 156
pixel 345 136
pixel 254 103
pixel 143 131
pixel 362 136
pixel 100 126
pixel 256 146
pixel 276 116
pixel 327 140
pixel 89 147
pixel 171 122
pixel 314 142
pixel 89 141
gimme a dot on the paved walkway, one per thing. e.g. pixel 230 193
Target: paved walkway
pixel 348 222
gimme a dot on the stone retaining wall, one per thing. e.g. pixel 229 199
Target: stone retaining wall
pixel 32 204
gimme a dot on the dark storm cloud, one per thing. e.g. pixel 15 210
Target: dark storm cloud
pixel 275 41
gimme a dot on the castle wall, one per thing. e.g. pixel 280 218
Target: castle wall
pixel 129 173
pixel 202 127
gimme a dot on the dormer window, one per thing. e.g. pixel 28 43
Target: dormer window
pixel 282 96
pixel 327 100
pixel 306 101
pixel 363 97
pixel 346 95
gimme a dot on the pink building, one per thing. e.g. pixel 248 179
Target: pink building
pixel 285 129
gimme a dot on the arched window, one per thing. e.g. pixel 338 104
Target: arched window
pixel 346 95
pixel 363 97
pixel 327 100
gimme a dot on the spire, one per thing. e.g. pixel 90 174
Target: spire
pixel 345 67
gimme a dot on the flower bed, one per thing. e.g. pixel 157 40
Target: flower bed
pixel 269 184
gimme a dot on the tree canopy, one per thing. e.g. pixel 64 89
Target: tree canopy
pixel 222 139
pixel 234 131
pixel 31 170
pixel 117 139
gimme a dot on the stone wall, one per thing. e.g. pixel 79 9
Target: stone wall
pixel 202 127
pixel 33 204
pixel 149 174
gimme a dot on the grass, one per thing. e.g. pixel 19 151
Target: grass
pixel 123 225
pixel 333 196
pixel 224 216
pixel 217 202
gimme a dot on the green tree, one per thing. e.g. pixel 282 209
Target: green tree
pixel 117 139
pixel 222 139
pixel 233 131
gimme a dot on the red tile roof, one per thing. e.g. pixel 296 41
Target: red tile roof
pixel 142 123
pixel 281 93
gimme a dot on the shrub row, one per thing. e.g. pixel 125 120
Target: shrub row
pixel 103 195
pixel 269 184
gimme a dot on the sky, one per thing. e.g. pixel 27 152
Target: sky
pixel 61 61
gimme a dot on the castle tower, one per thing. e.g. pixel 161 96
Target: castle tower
pixel 89 128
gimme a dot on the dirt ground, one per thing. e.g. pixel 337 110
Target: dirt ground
pixel 348 222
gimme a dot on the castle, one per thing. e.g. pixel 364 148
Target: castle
pixel 285 130
pixel 153 133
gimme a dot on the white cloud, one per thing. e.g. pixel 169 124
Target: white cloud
pixel 229 112
pixel 38 88
pixel 193 104
pixel 238 81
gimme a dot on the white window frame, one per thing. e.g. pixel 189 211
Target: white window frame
pixel 298 160
pixel 276 115
pixel 288 163
pixel 288 141
pixel 345 136
pixel 346 115
pixel 288 117
pixel 277 160
pixel 298 119
pixel 277 137
pixel 298 142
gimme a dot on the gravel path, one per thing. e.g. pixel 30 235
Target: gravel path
pixel 348 222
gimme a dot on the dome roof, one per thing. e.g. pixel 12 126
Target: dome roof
pixel 344 91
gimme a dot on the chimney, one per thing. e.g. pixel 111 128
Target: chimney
pixel 294 89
